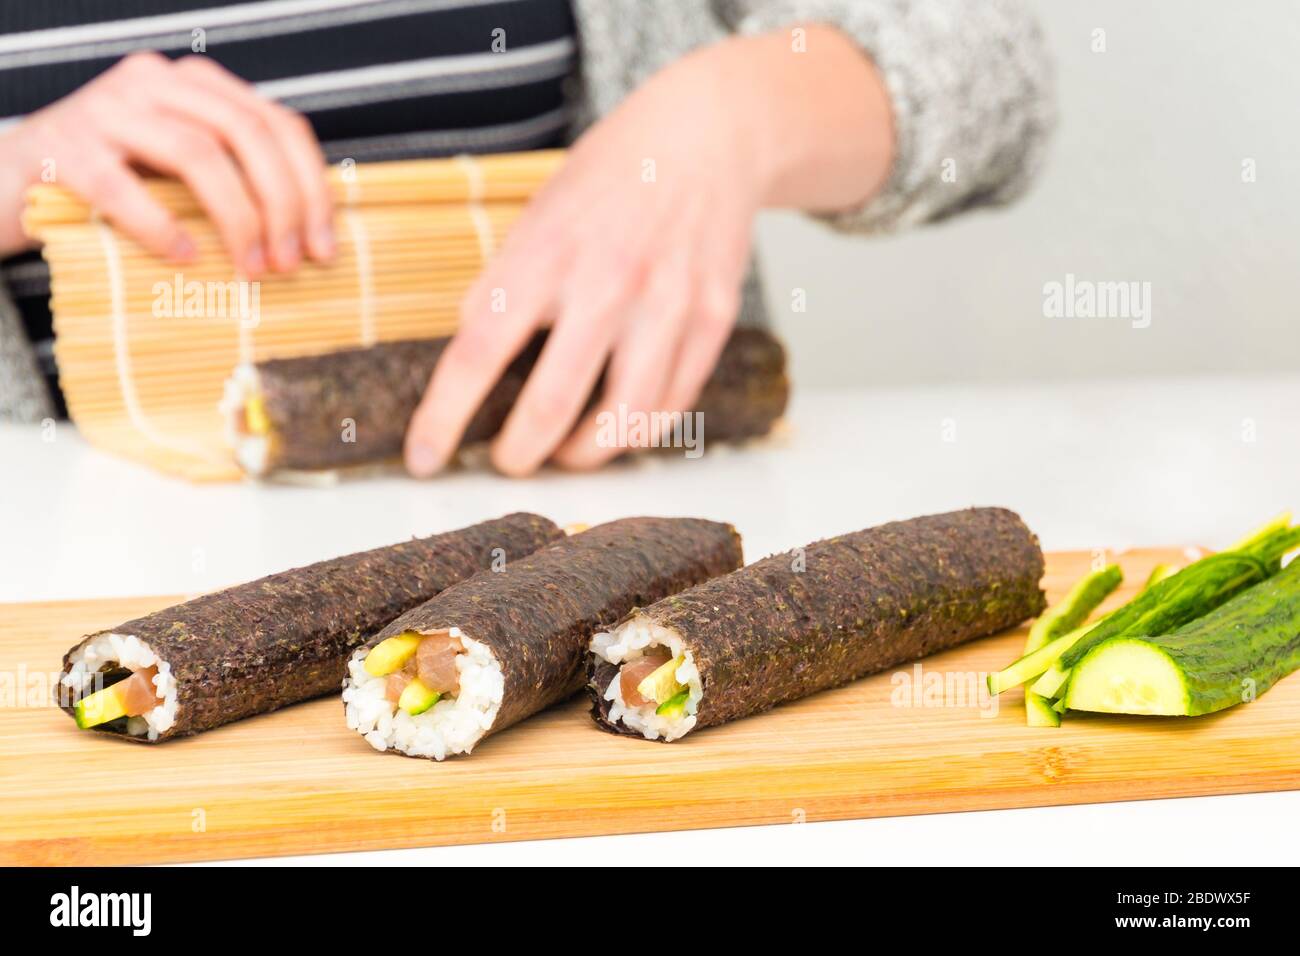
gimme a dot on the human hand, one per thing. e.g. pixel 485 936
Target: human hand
pixel 633 254
pixel 254 166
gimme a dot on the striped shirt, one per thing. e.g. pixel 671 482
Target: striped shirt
pixel 378 79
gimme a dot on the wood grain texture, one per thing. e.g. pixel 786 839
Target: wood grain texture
pixel 298 781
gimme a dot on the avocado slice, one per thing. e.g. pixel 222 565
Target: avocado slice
pixel 255 418
pixel 100 707
pixel 417 697
pixel 674 706
pixel 388 656
pixel 661 683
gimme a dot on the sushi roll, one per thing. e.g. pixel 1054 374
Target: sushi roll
pixel 272 642
pixel 352 407
pixel 492 650
pixel 797 623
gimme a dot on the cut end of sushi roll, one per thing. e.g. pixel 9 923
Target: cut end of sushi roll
pixel 432 694
pixel 117 684
pixel 248 429
pixel 648 677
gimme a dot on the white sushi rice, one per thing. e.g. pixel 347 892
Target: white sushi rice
pixel 451 726
pixel 630 641
pixel 252 452
pixel 112 651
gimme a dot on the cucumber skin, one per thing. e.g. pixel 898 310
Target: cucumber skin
pixel 1255 636
pixel 1191 593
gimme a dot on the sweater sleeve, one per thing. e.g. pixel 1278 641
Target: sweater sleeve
pixel 972 90
pixel 23 395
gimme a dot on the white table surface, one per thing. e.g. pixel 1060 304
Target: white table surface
pixel 1095 465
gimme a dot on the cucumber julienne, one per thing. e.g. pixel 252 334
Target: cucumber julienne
pixel 1044 644
pixel 1171 603
pixel 1169 599
pixel 1039 657
pixel 1060 619
pixel 1229 656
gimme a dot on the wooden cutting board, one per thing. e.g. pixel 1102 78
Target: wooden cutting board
pixel 298 781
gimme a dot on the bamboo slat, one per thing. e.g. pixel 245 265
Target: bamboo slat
pixel 145 346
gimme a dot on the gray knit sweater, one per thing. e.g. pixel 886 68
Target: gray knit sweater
pixel 970 84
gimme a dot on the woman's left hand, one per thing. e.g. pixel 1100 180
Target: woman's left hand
pixel 633 255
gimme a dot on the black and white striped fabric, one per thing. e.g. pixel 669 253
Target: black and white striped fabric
pixel 378 79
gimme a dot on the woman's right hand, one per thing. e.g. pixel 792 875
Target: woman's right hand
pixel 254 166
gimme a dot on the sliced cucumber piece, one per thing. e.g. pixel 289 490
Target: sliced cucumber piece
pixel 100 707
pixel 1229 656
pixel 674 706
pixel 416 697
pixel 1039 712
pixel 1127 675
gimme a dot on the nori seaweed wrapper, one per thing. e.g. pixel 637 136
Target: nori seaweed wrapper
pixel 308 400
pixel 538 613
pixel 285 638
pixel 862 603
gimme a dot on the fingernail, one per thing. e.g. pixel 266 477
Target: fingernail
pixel 290 253
pixel 423 460
pixel 183 248
pixel 323 241
pixel 255 261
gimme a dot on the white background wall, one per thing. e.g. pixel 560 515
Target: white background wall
pixel 1144 182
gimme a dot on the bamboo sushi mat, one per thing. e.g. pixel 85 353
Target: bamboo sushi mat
pixel 143 364
pixel 299 781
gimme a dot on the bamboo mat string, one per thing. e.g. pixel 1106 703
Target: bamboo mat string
pixel 474 200
pixel 146 382
pixel 365 275
pixel 247 347
pixel 122 349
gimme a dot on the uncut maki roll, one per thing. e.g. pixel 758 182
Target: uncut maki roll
pixel 797 623
pixel 272 642
pixel 505 644
pixel 351 407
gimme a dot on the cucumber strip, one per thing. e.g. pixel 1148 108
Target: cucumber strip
pixel 100 707
pixel 1228 657
pixel 1039 712
pixel 1055 676
pixel 417 697
pixel 1051 681
pixel 1074 608
pixel 1031 665
pixel 1060 619
pixel 674 706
